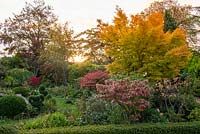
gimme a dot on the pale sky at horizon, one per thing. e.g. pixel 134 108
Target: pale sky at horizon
pixel 82 14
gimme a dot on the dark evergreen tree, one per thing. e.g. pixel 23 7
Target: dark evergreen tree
pixel 169 22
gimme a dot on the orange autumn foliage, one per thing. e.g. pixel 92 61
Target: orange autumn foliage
pixel 139 45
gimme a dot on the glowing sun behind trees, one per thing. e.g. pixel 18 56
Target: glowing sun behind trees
pixel 140 45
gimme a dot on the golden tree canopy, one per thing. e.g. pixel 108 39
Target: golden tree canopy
pixel 139 45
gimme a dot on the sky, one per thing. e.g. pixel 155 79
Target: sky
pixel 82 14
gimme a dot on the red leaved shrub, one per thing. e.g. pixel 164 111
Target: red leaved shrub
pixel 34 81
pixel 130 95
pixel 91 79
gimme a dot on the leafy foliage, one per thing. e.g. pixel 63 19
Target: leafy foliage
pixel 194 114
pixel 36 101
pixel 95 113
pixel 91 79
pixel 56 56
pixel 34 81
pixel 46 121
pixel 152 115
pixel 102 112
pixel 161 128
pixel 194 66
pixel 186 16
pixel 174 97
pixel 27 32
pixel 12 62
pixel 17 76
pixel 130 95
pixel 140 45
pixel 92 47
pixel 78 70
pixel 24 91
pixel 8 130
pixel 11 106
pixel 43 90
pixel 49 105
pixel 169 22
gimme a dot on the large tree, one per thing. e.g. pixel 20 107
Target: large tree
pixel 55 57
pixel 140 45
pixel 91 46
pixel 186 16
pixel 169 22
pixel 27 33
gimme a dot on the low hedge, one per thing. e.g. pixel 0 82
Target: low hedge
pixel 8 130
pixel 164 128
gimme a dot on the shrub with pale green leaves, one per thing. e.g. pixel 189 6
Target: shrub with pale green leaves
pixel 47 121
pixel 17 76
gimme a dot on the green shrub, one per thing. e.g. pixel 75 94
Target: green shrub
pixel 96 112
pixel 164 128
pixel 13 62
pixel 22 90
pixel 36 101
pixel 196 87
pixel 72 94
pixel 183 103
pixel 47 121
pixel 195 114
pixel 196 92
pixel 152 115
pixel 78 70
pixel 131 76
pixel 43 91
pixel 117 115
pixel 49 105
pixel 11 106
pixel 17 76
pixel 8 81
pixel 58 91
pixel 8 130
pixel 65 91
pixel 194 65
pixel 2 71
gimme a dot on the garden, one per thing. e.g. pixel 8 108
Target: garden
pixel 139 74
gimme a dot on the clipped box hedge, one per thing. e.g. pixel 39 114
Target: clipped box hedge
pixel 8 130
pixel 164 128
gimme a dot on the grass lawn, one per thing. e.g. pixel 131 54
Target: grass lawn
pixel 66 107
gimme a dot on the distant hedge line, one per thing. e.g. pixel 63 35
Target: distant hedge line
pixel 8 130
pixel 164 128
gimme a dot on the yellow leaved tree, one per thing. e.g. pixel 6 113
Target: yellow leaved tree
pixel 140 45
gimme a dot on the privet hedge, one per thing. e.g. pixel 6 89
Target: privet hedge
pixel 164 128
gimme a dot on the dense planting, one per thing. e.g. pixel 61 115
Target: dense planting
pixel 130 95
pixel 138 70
